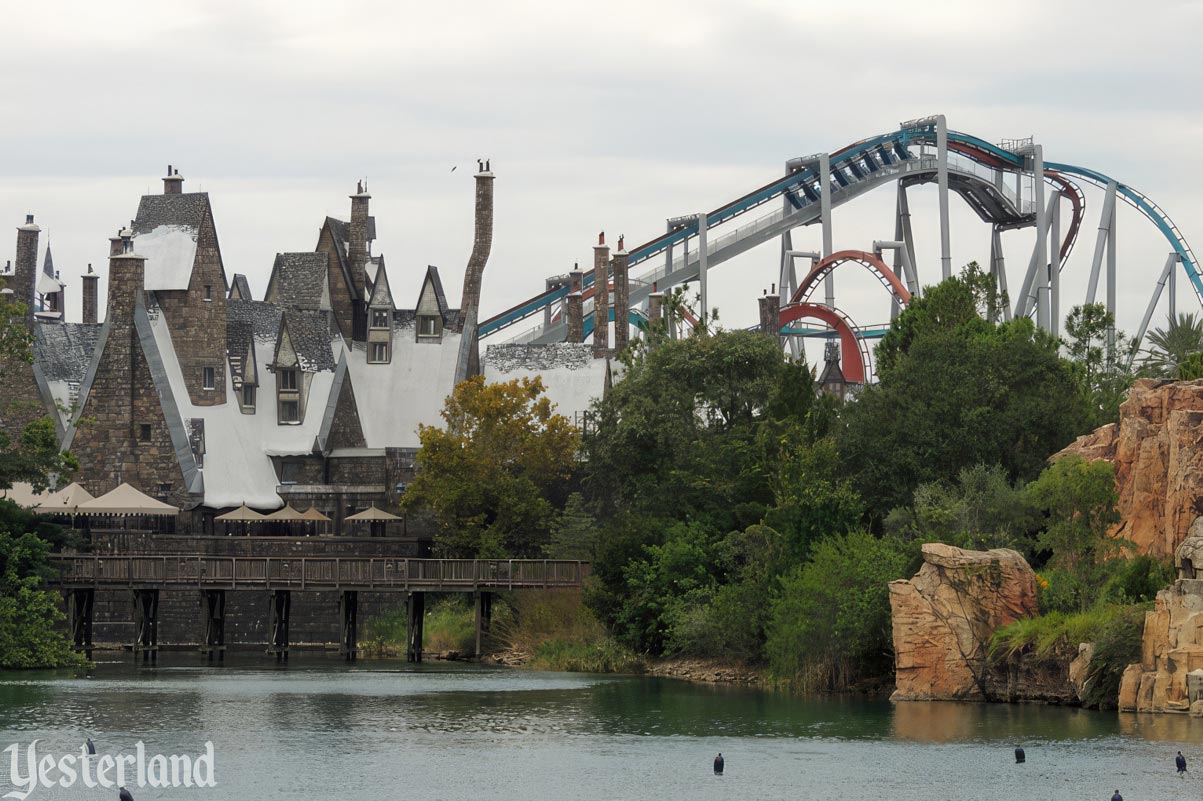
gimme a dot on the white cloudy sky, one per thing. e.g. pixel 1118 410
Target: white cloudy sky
pixel 595 116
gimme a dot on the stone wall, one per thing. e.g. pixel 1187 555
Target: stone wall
pixel 1157 452
pixel 340 293
pixel 198 326
pixel 346 431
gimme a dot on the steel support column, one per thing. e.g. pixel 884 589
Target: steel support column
pixel 1166 273
pixel 998 269
pixel 1042 305
pixel 825 217
pixel 1054 263
pixel 1106 223
pixel 942 178
pixel 702 223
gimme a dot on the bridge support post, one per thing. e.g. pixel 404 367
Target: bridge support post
pixel 484 618
pixel 146 617
pixel 416 605
pixel 281 608
pixel 80 604
pixel 213 607
pixel 348 604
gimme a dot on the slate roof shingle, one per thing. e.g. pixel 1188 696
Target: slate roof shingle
pixel 64 350
pixel 309 333
pixel 299 279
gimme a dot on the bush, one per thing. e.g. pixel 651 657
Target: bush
pixel 450 626
pixel 830 625
pixel 600 656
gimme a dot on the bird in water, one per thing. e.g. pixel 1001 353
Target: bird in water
pixel 1020 756
pixel 124 795
pixel 718 765
pixel 1180 761
pixel 1117 796
pixel 91 748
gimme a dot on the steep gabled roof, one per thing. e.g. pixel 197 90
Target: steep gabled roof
pixel 309 334
pixel 166 230
pixel 382 293
pixel 48 262
pixel 432 283
pixel 64 351
pixel 298 281
pixel 240 289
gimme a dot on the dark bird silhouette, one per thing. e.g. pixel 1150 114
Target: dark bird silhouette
pixel 1117 796
pixel 453 168
pixel 124 795
pixel 91 748
pixel 1180 761
pixel 1020 756
pixel 718 765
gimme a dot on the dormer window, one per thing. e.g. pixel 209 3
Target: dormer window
pixel 208 293
pixel 429 326
pixel 288 379
pixel 248 396
pixel 378 353
pixel 380 318
pixel 208 378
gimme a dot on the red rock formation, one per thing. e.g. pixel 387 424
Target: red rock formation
pixel 1157 454
pixel 944 617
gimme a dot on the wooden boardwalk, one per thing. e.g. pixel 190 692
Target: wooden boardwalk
pixel 344 573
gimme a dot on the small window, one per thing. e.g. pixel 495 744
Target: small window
pixel 208 293
pixel 165 488
pixel 379 352
pixel 144 432
pixel 380 318
pixel 208 378
pixel 288 379
pixel 428 326
pixel 290 411
pixel 290 472
pixel 248 394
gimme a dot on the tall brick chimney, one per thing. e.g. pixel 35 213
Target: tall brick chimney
pixel 601 297
pixel 91 294
pixel 173 182
pixel 622 299
pixel 358 252
pixel 576 279
pixel 127 279
pixel 655 308
pixel 482 242
pixel 770 315
pixel 116 248
pixel 25 273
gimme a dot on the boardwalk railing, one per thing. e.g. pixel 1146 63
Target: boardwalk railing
pixel 315 573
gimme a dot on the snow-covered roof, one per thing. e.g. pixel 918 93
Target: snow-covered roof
pixel 573 378
pixel 62 353
pixel 237 467
pixel 394 398
pixel 170 252
pixel 48 284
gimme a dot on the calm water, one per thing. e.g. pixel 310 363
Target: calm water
pixel 319 730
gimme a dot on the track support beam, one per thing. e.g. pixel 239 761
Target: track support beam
pixel 213 608
pixel 416 606
pixel 146 618
pixel 281 611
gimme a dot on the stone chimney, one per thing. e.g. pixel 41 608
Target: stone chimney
pixel 357 251
pixel 770 314
pixel 173 182
pixel 655 309
pixel 601 297
pixel 574 314
pixel 622 299
pixel 25 273
pixel 482 243
pixel 91 294
pixel 576 279
pixel 116 248
pixel 127 279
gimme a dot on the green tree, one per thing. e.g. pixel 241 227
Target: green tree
pixel 1172 345
pixel 830 625
pixel 1101 362
pixel 1079 501
pixel 956 390
pixel 1191 368
pixel 574 534
pixel 494 474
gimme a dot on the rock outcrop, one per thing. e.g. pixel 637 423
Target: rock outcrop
pixel 944 617
pixel 1169 676
pixel 1157 452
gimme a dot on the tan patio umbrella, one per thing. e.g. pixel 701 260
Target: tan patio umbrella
pixel 377 519
pixel 125 500
pixel 287 513
pixel 243 514
pixel 22 494
pixel 66 500
pixel 312 515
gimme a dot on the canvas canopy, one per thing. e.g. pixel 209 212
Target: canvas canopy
pixel 287 513
pixel 313 514
pixel 125 500
pixel 372 513
pixel 243 514
pixel 65 501
pixel 22 494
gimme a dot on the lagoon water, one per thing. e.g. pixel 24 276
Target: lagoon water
pixel 318 729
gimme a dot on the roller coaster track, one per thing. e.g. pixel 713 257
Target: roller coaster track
pixel 976 169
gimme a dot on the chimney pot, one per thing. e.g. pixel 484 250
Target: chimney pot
pixel 601 237
pixel 29 219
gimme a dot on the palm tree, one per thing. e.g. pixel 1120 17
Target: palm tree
pixel 1171 345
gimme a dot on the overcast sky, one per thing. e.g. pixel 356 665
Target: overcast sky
pixel 602 116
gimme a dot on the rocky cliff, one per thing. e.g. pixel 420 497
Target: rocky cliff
pixel 1169 676
pixel 944 617
pixel 1157 451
